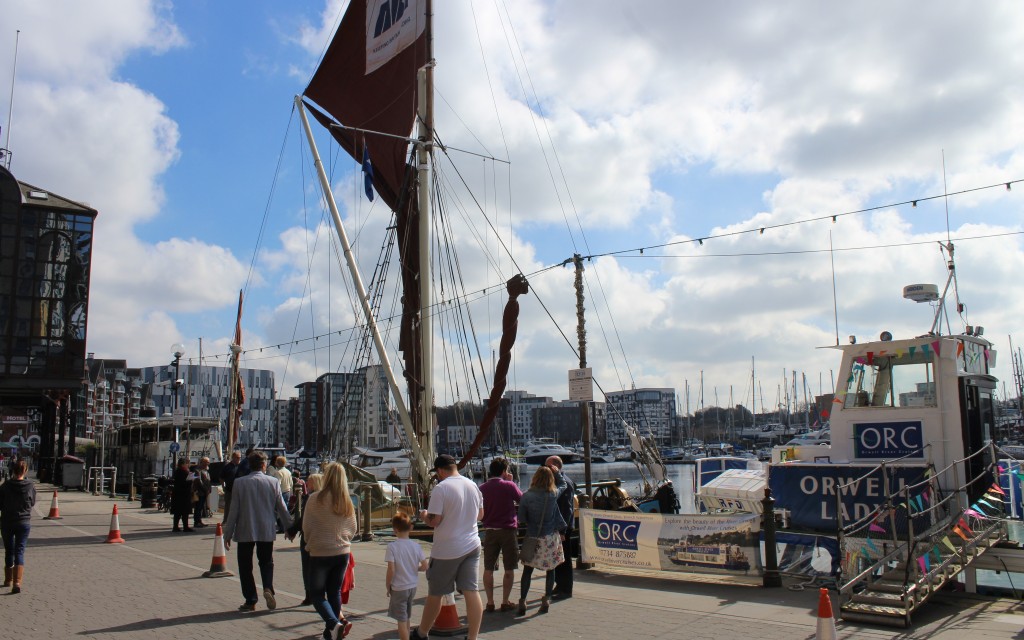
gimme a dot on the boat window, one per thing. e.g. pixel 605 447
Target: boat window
pixel 889 381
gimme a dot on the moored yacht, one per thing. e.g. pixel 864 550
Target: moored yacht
pixel 541 449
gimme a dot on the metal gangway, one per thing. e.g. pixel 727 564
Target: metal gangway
pixel 919 539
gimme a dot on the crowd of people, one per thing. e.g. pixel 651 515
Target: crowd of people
pixel 264 498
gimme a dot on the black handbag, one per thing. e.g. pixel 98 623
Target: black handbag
pixel 529 550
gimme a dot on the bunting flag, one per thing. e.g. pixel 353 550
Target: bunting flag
pixel 921 563
pixel 928 472
pixel 986 355
pixel 938 555
pixel 935 348
pixel 974 514
pixel 871 545
pixel 859 360
pixel 1020 475
pixel 949 543
pixel 926 494
pixel 959 349
pixel 983 507
pixel 960 533
pixel 917 501
pixel 963 525
pixel 875 528
pixel 871 357
pixel 912 350
pixel 925 350
pixel 927 563
pixel 998 489
pixel 1001 468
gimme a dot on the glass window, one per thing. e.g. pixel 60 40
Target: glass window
pixel 907 380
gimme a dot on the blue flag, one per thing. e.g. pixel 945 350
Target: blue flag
pixel 367 173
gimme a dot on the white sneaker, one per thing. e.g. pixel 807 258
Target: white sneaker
pixel 271 600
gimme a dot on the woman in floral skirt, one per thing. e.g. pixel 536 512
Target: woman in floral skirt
pixel 538 511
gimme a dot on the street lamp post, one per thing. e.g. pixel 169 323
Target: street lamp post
pixel 178 350
pixel 103 386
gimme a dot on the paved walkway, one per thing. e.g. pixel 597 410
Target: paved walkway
pixel 77 586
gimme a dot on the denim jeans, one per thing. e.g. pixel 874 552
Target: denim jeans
pixel 325 576
pixel 265 556
pixel 15 539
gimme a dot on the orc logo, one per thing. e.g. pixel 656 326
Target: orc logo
pixel 616 534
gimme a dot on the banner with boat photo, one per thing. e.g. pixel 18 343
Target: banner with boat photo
pixel 723 544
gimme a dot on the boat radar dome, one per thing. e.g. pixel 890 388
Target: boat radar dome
pixel 921 292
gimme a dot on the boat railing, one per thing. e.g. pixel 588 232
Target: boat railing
pixel 907 538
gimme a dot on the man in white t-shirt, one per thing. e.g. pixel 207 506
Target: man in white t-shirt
pixel 456 505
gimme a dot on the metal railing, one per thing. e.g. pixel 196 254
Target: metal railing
pixel 911 523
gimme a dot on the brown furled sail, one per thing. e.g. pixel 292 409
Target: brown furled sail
pixel 367 80
pixel 516 287
pixel 376 100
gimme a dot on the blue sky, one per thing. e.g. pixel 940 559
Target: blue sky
pixel 174 120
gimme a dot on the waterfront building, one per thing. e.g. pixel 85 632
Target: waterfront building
pixel 45 265
pixel 206 392
pixel 651 410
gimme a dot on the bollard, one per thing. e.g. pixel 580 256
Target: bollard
pixel 131 486
pixel 95 482
pixel 771 562
pixel 367 508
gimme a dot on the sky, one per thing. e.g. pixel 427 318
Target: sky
pixel 596 128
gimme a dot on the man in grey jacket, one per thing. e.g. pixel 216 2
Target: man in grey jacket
pixel 255 501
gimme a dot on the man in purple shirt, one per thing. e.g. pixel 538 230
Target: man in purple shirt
pixel 500 524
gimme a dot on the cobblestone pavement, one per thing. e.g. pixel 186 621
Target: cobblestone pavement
pixel 75 585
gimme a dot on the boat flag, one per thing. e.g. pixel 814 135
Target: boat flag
pixel 875 528
pixel 960 533
pixel 871 544
pixel 938 555
pixel 949 543
pixel 998 489
pixel 367 173
pixel 963 525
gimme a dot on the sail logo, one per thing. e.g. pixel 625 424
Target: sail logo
pixel 391 26
pixel 388 14
pixel 616 534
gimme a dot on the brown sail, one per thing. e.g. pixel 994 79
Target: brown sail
pixel 367 84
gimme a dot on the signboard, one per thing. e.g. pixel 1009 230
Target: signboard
pixel 581 385
pixel 179 417
pixel 888 440
pixel 808 491
pixel 174 448
pixel 725 544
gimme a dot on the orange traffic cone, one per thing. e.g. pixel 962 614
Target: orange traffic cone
pixel 447 623
pixel 219 564
pixel 54 511
pixel 115 528
pixel 826 623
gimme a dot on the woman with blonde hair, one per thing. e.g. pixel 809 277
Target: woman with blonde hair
pixel 312 485
pixel 328 526
pixel 538 512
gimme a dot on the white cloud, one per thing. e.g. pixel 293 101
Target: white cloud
pixel 834 108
